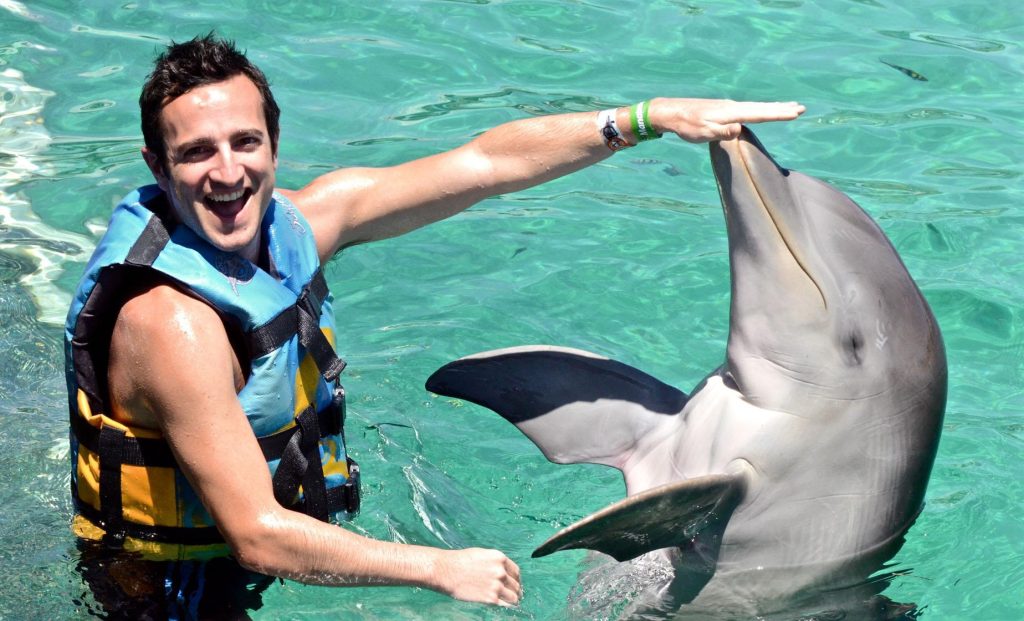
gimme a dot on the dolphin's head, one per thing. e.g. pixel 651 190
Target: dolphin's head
pixel 823 309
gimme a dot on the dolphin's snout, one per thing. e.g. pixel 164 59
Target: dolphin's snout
pixel 744 153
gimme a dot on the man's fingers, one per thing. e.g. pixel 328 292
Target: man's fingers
pixel 758 112
pixel 705 120
pixel 728 132
pixel 508 597
pixel 512 568
pixel 512 583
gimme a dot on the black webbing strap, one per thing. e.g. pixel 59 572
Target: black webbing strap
pixel 150 243
pixel 300 463
pixel 302 318
pixel 329 420
pixel 110 442
pixel 205 535
pixel 134 451
pixel 342 498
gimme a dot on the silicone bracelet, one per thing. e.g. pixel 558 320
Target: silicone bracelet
pixel 640 122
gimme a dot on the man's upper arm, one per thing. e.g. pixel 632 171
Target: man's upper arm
pixel 357 205
pixel 172 363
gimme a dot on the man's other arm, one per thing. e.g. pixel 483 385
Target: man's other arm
pixel 171 362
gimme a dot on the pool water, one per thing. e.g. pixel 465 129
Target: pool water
pixel 914 110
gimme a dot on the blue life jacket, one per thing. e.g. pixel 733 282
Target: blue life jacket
pixel 128 489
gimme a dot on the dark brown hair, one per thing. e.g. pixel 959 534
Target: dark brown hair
pixel 185 66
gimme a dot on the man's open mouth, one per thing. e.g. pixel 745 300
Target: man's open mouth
pixel 227 204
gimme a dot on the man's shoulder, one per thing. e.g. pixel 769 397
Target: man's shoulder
pixel 166 346
pixel 166 309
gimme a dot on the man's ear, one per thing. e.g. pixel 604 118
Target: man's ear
pixel 155 167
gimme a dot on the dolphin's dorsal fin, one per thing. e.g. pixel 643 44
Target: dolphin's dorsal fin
pixel 574 405
pixel 672 515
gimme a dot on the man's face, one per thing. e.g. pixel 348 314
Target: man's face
pixel 220 166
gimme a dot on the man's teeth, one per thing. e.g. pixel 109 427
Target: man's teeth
pixel 224 198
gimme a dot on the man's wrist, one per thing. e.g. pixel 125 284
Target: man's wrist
pixel 611 125
pixel 436 571
pixel 625 127
pixel 640 122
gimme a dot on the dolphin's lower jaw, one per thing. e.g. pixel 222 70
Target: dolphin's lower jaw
pixel 792 472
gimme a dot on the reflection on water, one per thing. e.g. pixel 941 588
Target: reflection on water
pixel 36 252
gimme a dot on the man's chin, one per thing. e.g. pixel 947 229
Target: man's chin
pixel 244 245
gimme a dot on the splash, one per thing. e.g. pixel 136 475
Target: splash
pixel 606 589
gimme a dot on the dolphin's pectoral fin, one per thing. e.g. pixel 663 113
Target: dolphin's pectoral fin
pixel 574 405
pixel 672 515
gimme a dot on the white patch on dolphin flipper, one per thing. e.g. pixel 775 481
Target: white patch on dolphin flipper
pixel 881 338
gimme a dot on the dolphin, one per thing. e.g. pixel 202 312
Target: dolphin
pixel 795 468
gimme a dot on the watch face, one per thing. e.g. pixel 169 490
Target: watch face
pixel 609 132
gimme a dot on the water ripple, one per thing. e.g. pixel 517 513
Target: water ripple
pixel 912 115
pixel 963 43
pixel 506 98
pixel 119 34
pixel 22 138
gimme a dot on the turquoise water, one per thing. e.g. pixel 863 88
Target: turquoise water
pixel 627 258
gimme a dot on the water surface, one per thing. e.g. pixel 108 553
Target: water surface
pixel 913 110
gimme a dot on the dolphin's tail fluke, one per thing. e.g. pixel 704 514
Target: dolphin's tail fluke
pixel 574 405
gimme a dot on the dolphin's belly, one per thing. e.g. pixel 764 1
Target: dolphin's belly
pixel 815 500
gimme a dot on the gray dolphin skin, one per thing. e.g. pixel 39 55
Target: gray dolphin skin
pixel 791 473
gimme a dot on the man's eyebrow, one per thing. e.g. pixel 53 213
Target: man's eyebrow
pixel 242 133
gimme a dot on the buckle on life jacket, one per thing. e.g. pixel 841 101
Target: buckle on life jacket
pixel 333 422
pixel 351 489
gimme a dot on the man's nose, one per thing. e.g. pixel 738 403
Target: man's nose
pixel 227 170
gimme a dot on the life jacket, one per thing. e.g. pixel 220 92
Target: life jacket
pixel 127 488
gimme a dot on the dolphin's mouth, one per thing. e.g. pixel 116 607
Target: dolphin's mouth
pixel 746 160
pixel 754 190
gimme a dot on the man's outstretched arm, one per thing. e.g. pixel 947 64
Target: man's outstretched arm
pixel 357 205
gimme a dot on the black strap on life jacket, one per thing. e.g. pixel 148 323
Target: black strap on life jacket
pixel 303 318
pixel 298 447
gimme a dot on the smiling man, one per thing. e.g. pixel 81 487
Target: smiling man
pixel 218 163
pixel 207 417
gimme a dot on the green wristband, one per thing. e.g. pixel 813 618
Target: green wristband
pixel 640 122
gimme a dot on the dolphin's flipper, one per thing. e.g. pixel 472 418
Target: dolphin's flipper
pixel 574 405
pixel 687 514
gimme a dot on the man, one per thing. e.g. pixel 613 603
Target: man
pixel 206 413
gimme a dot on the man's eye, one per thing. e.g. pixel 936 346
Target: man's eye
pixel 249 142
pixel 194 154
